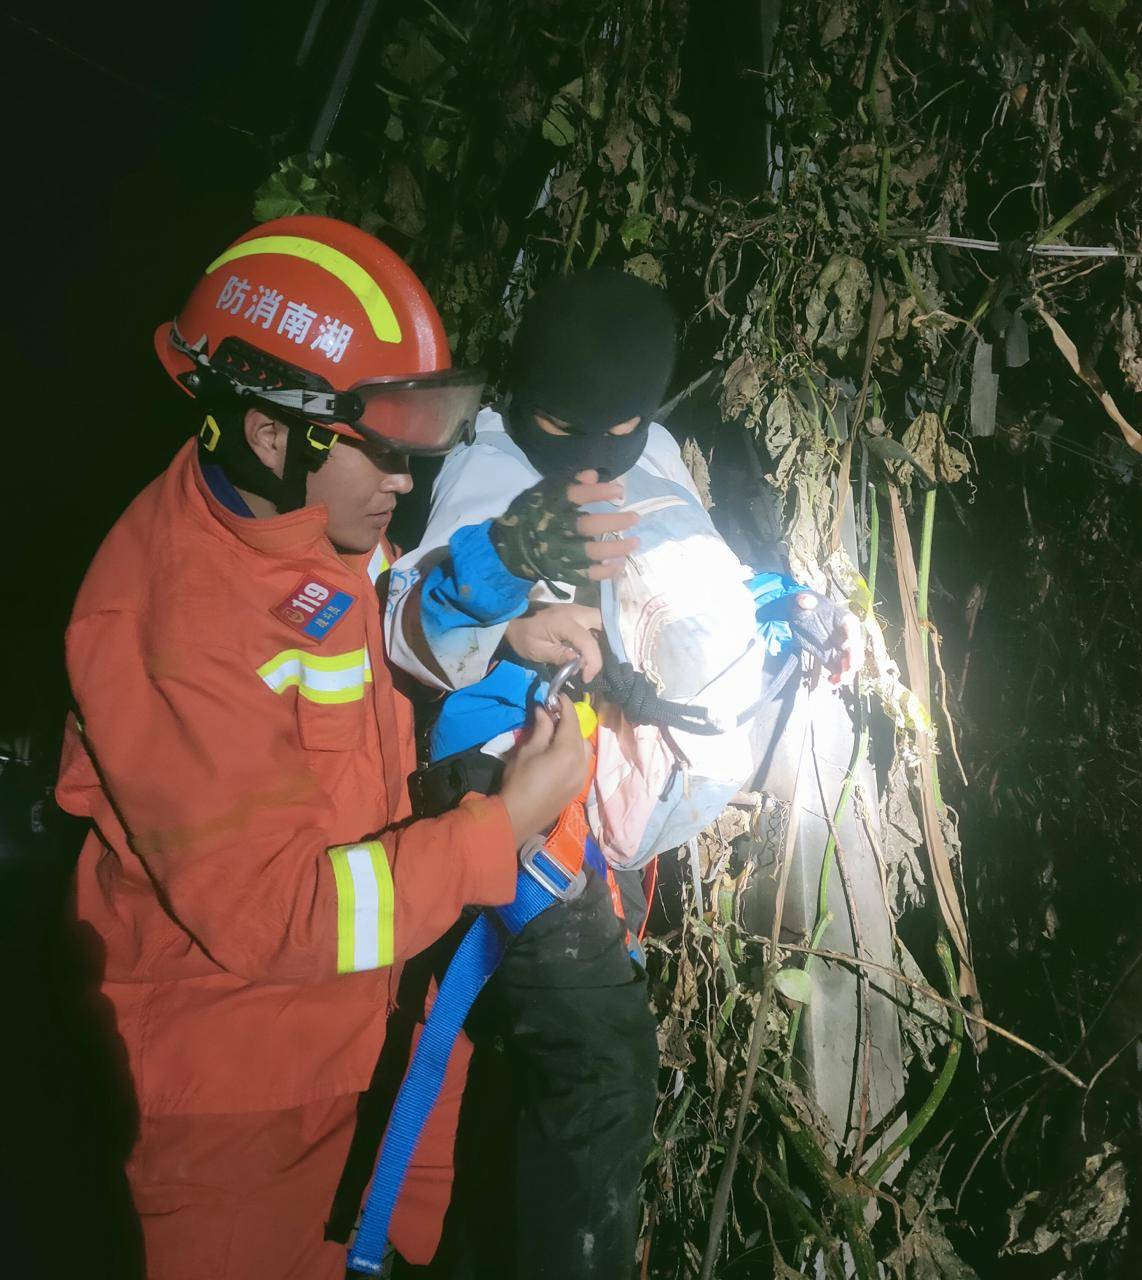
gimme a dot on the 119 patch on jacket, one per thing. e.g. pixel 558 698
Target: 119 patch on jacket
pixel 313 608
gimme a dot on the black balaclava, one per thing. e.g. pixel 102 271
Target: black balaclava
pixel 592 350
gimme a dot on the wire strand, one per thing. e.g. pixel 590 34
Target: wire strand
pixel 156 95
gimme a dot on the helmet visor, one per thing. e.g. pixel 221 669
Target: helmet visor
pixel 426 414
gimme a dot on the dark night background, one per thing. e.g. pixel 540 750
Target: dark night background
pixel 136 137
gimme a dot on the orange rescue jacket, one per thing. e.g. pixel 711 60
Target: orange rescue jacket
pixel 252 872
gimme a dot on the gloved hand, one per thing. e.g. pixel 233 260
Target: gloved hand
pixel 814 619
pixel 543 536
pixel 829 632
pixel 789 615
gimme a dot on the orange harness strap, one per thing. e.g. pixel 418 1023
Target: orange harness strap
pixel 567 842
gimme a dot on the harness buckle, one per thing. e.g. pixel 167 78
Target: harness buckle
pixel 550 873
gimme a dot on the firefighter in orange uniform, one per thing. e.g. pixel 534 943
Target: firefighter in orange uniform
pixel 238 744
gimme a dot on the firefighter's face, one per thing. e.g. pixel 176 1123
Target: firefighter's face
pixel 359 485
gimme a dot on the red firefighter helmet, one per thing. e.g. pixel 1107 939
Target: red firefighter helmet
pixel 319 318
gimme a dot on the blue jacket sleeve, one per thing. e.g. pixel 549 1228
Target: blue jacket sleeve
pixel 771 595
pixel 470 587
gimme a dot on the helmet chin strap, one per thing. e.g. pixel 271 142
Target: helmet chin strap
pixel 222 440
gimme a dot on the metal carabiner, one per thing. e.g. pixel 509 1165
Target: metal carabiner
pixel 558 680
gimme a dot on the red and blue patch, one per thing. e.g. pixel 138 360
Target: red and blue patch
pixel 314 608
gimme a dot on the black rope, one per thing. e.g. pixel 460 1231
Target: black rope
pixel 640 702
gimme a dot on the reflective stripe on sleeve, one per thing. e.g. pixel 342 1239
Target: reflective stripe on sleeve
pixel 364 906
pixel 339 677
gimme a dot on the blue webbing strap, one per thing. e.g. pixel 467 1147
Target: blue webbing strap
pixel 475 961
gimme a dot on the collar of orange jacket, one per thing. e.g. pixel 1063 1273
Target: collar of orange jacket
pixel 297 532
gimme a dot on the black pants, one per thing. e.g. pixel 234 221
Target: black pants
pixel 558 1115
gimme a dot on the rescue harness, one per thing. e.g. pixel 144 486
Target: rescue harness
pixel 551 871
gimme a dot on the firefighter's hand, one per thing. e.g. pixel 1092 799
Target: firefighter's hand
pixel 555 633
pixel 546 773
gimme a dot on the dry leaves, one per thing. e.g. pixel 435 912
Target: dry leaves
pixel 1090 377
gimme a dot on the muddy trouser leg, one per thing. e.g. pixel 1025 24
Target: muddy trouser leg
pixel 584 1059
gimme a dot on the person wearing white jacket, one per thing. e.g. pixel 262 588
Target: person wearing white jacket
pixel 478 482
pixel 503 582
